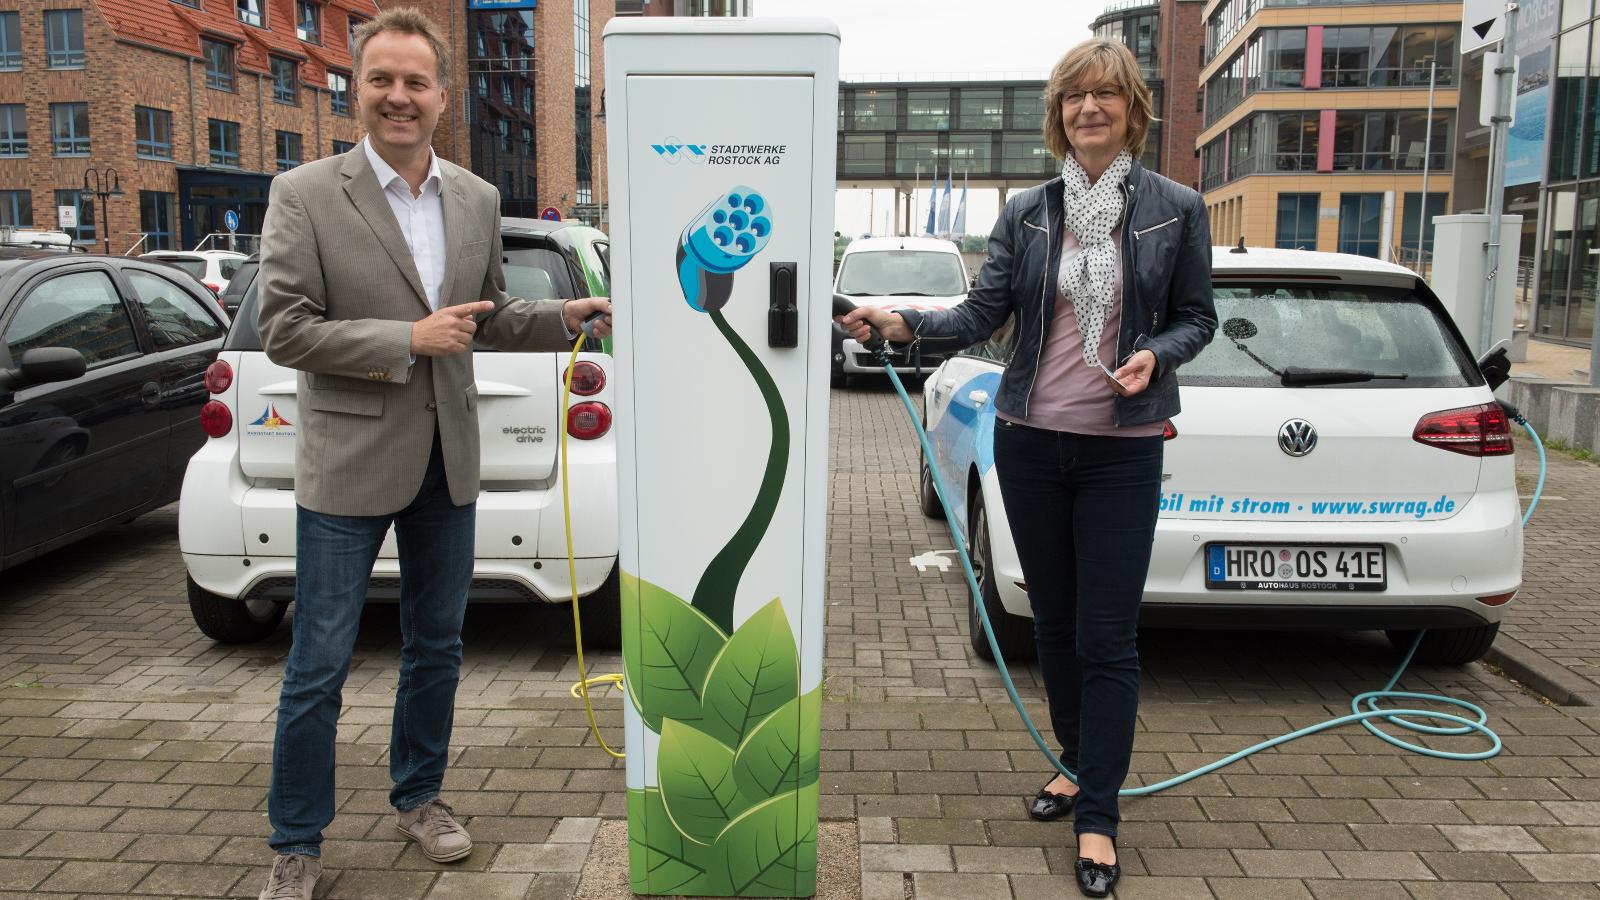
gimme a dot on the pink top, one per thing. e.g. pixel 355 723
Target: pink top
pixel 1068 394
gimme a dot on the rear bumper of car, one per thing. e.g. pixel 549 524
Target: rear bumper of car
pixel 514 580
pixel 1436 571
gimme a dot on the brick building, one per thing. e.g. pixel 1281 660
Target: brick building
pixel 1160 33
pixel 194 103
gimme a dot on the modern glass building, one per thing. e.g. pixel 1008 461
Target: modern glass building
pixel 1569 242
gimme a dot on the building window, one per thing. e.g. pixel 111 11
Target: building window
pixel 527 140
pixel 219 64
pixel 339 93
pixel 158 219
pixel 69 129
pixel 1026 111
pixel 864 154
pixel 982 109
pixel 1384 140
pixel 505 90
pixel 873 110
pixel 1025 154
pixel 224 142
pixel 507 144
pixel 355 24
pixel 285 81
pixel 1294 141
pixel 1360 224
pixel 288 150
pixel 16 209
pixel 13 130
pixel 63 38
pixel 1297 221
pixel 1416 237
pixel 1388 55
pixel 308 21
pixel 928 110
pixel 527 98
pixel 343 147
pixel 10 41
pixel 250 12
pixel 581 95
pixel 84 205
pixel 152 132
pixel 483 85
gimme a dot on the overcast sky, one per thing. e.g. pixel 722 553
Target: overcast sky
pixel 952 38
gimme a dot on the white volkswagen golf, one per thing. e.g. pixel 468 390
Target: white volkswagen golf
pixel 1340 462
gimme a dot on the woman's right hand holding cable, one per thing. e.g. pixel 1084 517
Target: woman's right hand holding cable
pixel 889 324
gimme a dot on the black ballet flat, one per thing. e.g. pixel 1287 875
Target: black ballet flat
pixel 1097 879
pixel 1048 807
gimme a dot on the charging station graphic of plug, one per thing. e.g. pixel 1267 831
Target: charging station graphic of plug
pixel 728 233
pixel 716 243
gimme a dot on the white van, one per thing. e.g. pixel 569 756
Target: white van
pixel 896 273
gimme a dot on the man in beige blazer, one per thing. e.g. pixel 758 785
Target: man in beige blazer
pixel 379 270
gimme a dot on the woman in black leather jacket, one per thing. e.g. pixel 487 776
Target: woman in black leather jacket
pixel 1107 272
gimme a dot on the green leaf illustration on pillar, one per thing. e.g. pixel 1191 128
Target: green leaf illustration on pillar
pixel 696 776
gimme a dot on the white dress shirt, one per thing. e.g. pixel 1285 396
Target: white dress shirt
pixel 421 218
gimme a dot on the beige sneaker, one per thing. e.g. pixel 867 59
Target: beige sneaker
pixel 434 827
pixel 294 877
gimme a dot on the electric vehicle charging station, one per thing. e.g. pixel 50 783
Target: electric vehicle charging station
pixel 721 145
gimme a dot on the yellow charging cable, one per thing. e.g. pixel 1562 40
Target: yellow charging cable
pixel 581 688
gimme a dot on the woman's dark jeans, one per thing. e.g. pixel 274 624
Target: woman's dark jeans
pixel 1083 515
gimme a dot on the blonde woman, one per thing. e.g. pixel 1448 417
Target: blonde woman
pixel 1107 271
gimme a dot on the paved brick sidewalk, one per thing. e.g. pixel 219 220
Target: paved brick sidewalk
pixel 134 753
pixel 1557 614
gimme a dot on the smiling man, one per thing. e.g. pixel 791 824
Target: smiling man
pixel 380 269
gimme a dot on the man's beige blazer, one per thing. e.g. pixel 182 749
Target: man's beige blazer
pixel 338 293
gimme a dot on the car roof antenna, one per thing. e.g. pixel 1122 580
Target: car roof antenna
pixel 1240 248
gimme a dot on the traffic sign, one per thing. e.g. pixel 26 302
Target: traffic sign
pixel 551 214
pixel 1483 22
pixel 231 220
pixel 67 216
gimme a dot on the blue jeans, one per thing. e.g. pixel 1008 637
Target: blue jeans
pixel 334 557
pixel 1083 516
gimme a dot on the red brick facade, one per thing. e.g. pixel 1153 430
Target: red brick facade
pixel 1182 48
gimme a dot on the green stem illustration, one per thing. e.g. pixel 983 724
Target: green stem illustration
pixel 714 595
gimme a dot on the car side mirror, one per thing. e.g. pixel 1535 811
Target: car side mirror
pixel 43 366
pixel 1496 366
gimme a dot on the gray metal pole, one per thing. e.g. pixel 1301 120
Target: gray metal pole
pixel 1427 155
pixel 1497 172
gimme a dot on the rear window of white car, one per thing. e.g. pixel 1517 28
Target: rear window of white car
pixel 902 273
pixel 1387 331
pixel 194 265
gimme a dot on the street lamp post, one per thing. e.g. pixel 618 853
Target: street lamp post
pixel 104 184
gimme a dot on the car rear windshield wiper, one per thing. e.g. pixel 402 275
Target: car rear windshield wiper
pixel 908 294
pixel 855 293
pixel 1295 375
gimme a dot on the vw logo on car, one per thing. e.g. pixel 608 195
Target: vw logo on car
pixel 1297 437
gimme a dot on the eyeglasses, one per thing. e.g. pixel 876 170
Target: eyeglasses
pixel 1102 96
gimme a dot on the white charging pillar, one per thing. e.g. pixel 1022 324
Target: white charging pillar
pixel 1460 263
pixel 721 141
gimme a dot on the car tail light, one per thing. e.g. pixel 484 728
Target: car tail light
pixel 215 418
pixel 1471 430
pixel 1497 599
pixel 215 288
pixel 587 378
pixel 219 377
pixel 1168 432
pixel 588 420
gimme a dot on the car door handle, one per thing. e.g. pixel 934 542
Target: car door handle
pixel 978 398
pixel 150 393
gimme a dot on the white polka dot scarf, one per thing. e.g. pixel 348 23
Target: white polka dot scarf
pixel 1088 277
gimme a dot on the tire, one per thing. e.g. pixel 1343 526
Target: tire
pixel 1447 646
pixel 927 497
pixel 233 621
pixel 838 379
pixel 1013 633
pixel 601 612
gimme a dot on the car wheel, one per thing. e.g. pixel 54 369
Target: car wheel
pixel 1013 633
pixel 602 614
pixel 1448 646
pixel 927 497
pixel 234 621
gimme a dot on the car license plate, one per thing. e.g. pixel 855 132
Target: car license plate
pixel 1296 567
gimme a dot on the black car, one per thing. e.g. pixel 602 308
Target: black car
pixel 102 376
pixel 243 277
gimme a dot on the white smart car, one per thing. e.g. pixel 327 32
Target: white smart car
pixel 896 273
pixel 1340 462
pixel 236 515
pixel 212 268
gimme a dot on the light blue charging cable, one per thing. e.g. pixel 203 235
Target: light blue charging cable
pixel 1369 699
